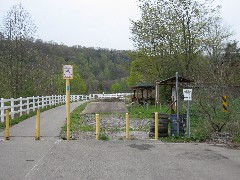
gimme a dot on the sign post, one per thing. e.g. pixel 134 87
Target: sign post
pixel 68 74
pixel 188 97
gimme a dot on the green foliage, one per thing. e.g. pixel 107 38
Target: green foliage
pixel 76 122
pixel 103 137
pixel 142 112
pixel 116 88
pixel 143 69
pixel 236 139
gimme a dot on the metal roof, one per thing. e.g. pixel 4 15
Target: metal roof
pixel 143 86
pixel 172 80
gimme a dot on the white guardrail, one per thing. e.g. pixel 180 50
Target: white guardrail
pixel 25 105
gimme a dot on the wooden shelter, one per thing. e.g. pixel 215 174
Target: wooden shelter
pixel 175 83
pixel 142 93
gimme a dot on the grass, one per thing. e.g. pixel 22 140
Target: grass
pixel 76 120
pixel 236 139
pixel 200 128
pixel 104 137
pixel 143 112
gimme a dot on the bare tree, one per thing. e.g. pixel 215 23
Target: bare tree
pixel 18 32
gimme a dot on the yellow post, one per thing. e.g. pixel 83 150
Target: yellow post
pixel 68 107
pixel 97 127
pixel 7 126
pixel 37 130
pixel 156 126
pixel 127 126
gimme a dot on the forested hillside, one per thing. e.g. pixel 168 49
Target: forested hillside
pixel 35 68
pixel 99 68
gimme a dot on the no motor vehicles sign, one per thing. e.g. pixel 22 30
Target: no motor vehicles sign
pixel 67 72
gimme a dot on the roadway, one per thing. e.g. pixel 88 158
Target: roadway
pixel 52 158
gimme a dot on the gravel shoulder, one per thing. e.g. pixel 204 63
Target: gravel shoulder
pixel 105 107
pixel 113 126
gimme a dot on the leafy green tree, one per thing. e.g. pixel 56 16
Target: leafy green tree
pixel 174 31
pixel 116 88
pixel 77 84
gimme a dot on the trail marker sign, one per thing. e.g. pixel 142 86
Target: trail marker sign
pixel 67 72
pixel 187 94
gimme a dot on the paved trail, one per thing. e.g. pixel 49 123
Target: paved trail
pixel 22 153
pixel 23 158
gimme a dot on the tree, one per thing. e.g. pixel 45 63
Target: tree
pixel 116 88
pixel 219 77
pixel 18 32
pixel 173 31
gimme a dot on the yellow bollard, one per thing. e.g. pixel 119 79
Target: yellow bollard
pixel 127 126
pixel 37 130
pixel 156 126
pixel 97 127
pixel 7 126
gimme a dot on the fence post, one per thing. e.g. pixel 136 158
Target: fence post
pixel 58 99
pixel 12 108
pixel 48 99
pixel 33 103
pixel 43 101
pixel 52 100
pixel 38 102
pixel 2 110
pixel 28 105
pixel 20 106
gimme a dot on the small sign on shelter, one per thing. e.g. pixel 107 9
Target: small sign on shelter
pixel 67 72
pixel 187 94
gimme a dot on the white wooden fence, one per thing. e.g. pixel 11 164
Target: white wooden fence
pixel 25 105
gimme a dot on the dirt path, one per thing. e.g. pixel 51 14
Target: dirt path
pixel 105 107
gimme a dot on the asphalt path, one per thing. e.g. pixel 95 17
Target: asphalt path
pixel 21 153
pixel 23 158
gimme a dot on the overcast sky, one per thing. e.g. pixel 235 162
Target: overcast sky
pixel 96 23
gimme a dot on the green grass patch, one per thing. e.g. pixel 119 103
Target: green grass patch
pixel 76 122
pixel 104 137
pixel 236 139
pixel 143 112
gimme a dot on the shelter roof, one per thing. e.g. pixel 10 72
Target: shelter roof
pixel 172 80
pixel 143 86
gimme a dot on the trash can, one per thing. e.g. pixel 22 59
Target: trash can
pixel 173 121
